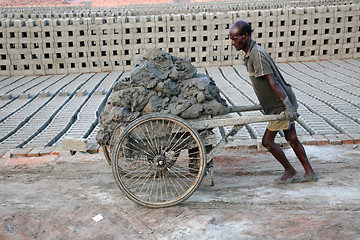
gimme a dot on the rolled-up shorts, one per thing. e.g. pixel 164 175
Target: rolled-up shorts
pixel 279 125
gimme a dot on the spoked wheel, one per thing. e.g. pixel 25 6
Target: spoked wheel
pixel 150 161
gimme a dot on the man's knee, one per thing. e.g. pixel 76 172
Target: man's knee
pixel 267 143
pixel 292 139
pixel 268 139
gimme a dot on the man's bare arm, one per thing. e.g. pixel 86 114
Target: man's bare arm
pixel 279 90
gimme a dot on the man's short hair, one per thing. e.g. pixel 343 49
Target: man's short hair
pixel 246 28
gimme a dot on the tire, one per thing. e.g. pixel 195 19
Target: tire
pixel 150 162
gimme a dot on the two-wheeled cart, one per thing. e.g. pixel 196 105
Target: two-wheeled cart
pixel 159 160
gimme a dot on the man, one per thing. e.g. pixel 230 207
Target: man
pixel 275 97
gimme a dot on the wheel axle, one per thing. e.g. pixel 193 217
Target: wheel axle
pixel 160 160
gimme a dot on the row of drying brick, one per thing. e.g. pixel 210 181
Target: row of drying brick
pixel 86 112
pixel 341 93
pixel 49 105
pixel 326 95
pixel 87 118
pixel 332 139
pixel 66 115
pixel 234 83
pixel 338 80
pixel 338 88
pixel 50 120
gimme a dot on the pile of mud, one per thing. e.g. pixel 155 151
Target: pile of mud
pixel 160 82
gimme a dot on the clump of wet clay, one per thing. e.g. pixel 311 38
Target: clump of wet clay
pixel 160 82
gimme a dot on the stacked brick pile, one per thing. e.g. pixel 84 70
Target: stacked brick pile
pixel 196 1
pixel 113 43
pixel 115 3
pixel 34 3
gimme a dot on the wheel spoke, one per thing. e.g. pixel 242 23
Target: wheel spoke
pixel 154 137
pixel 180 169
pixel 147 143
pixel 165 184
pixel 173 137
pixel 137 148
pixel 144 181
pixel 181 146
pixel 152 186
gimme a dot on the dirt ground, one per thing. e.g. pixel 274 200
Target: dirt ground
pixel 56 197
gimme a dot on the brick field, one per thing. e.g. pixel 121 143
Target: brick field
pixel 39 111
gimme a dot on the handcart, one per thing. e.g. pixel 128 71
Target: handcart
pixel 159 160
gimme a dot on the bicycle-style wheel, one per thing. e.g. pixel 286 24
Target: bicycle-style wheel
pixel 150 161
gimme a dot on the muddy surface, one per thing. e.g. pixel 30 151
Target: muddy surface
pixel 56 197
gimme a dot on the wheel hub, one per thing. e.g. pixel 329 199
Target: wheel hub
pixel 160 160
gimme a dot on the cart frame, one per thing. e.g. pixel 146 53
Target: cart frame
pixel 159 160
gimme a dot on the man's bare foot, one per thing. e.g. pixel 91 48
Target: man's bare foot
pixel 306 178
pixel 287 177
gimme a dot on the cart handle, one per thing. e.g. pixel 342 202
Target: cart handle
pixel 241 120
pixel 245 108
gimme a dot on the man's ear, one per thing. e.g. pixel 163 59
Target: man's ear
pixel 246 35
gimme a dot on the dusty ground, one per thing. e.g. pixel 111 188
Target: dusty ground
pixel 56 197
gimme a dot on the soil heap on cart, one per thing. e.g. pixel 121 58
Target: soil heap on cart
pixel 159 82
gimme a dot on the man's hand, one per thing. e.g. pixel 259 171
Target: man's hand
pixel 290 112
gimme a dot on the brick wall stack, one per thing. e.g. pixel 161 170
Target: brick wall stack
pixel 156 9
pixel 114 43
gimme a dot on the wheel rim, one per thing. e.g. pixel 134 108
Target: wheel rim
pixel 159 161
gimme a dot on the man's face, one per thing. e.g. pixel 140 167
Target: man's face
pixel 238 40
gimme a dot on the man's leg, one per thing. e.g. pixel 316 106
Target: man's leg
pixel 290 136
pixel 278 153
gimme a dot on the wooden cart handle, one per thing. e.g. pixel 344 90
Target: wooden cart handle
pixel 245 108
pixel 241 120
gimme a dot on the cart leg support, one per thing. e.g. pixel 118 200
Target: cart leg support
pixel 208 179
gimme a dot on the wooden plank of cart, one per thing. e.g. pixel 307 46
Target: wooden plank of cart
pixel 159 160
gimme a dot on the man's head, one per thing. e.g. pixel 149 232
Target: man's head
pixel 240 35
